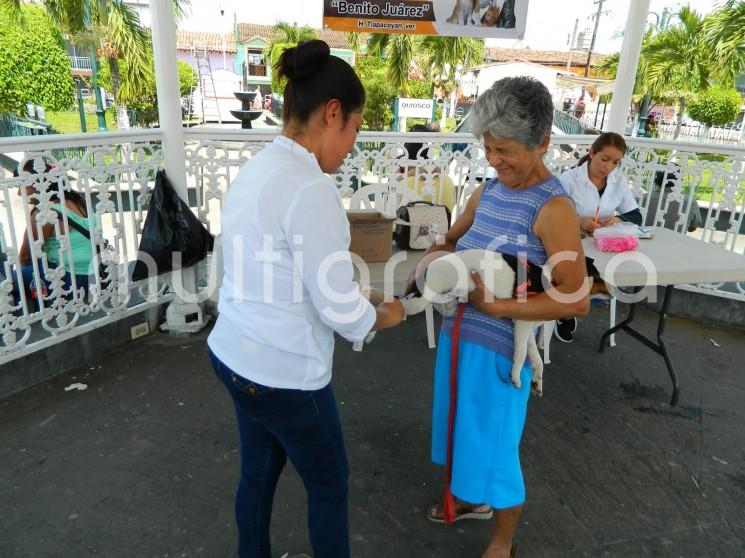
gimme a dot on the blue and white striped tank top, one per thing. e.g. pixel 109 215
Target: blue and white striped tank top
pixel 504 223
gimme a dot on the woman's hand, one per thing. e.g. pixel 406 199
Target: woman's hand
pixel 610 221
pixel 587 224
pixel 481 298
pixel 388 314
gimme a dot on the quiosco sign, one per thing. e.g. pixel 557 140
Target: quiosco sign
pixel 415 108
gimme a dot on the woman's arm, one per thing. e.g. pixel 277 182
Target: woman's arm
pixel 46 231
pixel 627 208
pixel 556 226
pixel 633 216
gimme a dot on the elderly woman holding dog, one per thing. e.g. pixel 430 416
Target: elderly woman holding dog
pixel 523 212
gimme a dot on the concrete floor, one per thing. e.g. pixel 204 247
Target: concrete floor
pixel 143 462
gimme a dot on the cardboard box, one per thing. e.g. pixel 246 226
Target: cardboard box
pixel 372 235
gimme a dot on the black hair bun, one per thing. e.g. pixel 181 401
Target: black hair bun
pixel 304 60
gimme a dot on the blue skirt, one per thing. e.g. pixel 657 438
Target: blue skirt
pixel 489 419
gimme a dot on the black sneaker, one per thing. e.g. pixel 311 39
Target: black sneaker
pixel 564 328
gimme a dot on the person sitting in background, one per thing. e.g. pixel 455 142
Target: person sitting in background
pixel 75 255
pixel 602 196
pixel 418 177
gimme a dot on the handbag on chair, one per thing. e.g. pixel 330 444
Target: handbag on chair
pixel 419 223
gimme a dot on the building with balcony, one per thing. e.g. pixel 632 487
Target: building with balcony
pixel 251 42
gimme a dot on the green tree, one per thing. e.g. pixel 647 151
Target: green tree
pixel 379 93
pixel 677 63
pixel 398 53
pixel 680 61
pixel 145 105
pixel 445 55
pixel 715 106
pixel 33 63
pixel 411 59
pixel 725 37
pixel 111 29
pixel 285 36
pixel 187 78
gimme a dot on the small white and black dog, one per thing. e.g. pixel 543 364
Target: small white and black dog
pixel 447 279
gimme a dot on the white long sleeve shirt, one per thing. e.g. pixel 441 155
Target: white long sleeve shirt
pixel 288 277
pixel 616 199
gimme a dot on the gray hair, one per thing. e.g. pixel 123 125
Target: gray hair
pixel 517 108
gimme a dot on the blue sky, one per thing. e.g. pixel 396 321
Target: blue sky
pixel 550 22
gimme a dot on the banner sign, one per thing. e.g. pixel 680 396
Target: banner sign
pixel 415 108
pixel 503 19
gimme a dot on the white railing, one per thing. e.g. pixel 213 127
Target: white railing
pixel 730 133
pixel 715 174
pixel 80 63
pixel 43 298
pixel 114 172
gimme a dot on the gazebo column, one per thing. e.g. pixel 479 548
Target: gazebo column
pixel 623 89
pixel 183 315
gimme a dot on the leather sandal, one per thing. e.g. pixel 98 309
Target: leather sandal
pixel 435 512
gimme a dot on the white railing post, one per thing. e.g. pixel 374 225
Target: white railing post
pixel 623 89
pixel 182 317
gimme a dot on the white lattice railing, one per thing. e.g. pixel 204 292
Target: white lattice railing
pixel 715 174
pixel 115 172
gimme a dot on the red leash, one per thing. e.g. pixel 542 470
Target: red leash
pixel 448 500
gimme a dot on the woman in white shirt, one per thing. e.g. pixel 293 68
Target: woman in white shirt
pixel 601 195
pixel 287 288
pixel 600 191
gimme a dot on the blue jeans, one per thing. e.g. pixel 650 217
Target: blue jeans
pixel 275 424
pixel 27 272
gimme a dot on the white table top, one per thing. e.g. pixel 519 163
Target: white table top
pixel 676 259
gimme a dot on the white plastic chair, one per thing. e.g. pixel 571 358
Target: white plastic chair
pixel 386 198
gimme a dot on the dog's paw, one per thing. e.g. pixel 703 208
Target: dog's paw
pixel 536 386
pixel 516 380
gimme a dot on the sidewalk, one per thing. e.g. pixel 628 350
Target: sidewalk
pixel 143 462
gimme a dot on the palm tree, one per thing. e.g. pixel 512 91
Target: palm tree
pixel 725 37
pixel 285 36
pixel 398 51
pixel 677 63
pixel 111 28
pixel 445 55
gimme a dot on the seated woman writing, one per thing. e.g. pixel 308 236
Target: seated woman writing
pixel 75 255
pixel 602 196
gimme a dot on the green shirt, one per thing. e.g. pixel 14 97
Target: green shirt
pixel 81 247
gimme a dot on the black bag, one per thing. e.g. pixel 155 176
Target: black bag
pixel 418 223
pixel 170 227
